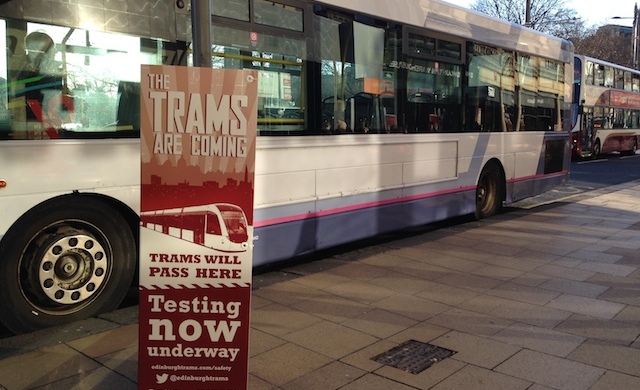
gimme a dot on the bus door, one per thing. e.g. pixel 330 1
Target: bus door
pixel 586 132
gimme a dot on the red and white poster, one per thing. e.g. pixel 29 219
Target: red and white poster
pixel 198 136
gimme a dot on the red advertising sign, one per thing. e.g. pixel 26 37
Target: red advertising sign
pixel 197 164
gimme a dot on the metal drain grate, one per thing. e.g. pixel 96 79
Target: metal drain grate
pixel 413 356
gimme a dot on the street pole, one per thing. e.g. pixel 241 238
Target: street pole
pixel 635 36
pixel 201 33
pixel 527 13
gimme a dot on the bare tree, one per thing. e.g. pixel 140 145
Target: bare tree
pixel 609 43
pixel 548 16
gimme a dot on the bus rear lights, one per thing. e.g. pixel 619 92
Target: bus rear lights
pixel 3 183
pixel 413 356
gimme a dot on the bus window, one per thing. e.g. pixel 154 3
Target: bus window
pixel 590 73
pixel 434 94
pixel 618 118
pixel 609 76
pixel 491 89
pixel 280 63
pixel 358 73
pixel 274 14
pixel 235 9
pixel 619 79
pixel 598 118
pixel 598 75
pixel 9 46
pixel 627 81
pixel 68 83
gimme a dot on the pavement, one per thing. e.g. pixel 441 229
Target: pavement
pixel 540 298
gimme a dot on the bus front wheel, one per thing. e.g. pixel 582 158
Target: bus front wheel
pixel 489 192
pixel 66 260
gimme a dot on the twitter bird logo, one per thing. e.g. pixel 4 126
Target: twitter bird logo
pixel 160 379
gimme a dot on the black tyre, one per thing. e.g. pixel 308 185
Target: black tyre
pixel 489 192
pixel 596 150
pixel 68 259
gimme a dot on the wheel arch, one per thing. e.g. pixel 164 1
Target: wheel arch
pixel 132 218
pixel 495 162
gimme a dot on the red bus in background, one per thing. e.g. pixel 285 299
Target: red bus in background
pixel 606 108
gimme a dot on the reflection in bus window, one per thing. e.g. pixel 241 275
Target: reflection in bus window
pixel 358 77
pixel 280 65
pixel 70 83
pixel 436 87
pixel 598 75
pixel 491 89
pixel 609 76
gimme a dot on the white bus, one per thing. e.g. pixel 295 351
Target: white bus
pixel 607 108
pixel 373 116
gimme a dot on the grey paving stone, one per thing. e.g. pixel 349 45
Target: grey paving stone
pixel 479 351
pixel 542 316
pixel 100 378
pixel 53 364
pixel 526 294
pixel 418 307
pixel 573 287
pixel 424 380
pixel 300 362
pixel 629 315
pixel 550 371
pixel 604 268
pixel 335 375
pixel 614 380
pixel 375 382
pixel 588 306
pixel 539 339
pixel 610 356
pixel 379 323
pixel 330 339
pixel 470 322
pixel 477 378
pixel 597 328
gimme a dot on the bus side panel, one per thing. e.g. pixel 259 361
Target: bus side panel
pixel 287 240
pixel 522 189
pixel 38 179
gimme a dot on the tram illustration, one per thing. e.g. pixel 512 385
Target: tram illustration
pixel 220 226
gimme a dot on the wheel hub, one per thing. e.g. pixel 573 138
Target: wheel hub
pixel 72 269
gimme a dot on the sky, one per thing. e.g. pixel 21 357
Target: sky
pixel 595 12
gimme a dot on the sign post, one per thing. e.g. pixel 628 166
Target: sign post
pixel 198 130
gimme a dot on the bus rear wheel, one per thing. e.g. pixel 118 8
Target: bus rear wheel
pixel 489 192
pixel 66 260
pixel 596 150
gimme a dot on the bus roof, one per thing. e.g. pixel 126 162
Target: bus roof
pixel 452 19
pixel 607 63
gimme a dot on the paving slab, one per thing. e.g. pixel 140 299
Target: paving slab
pixel 551 371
